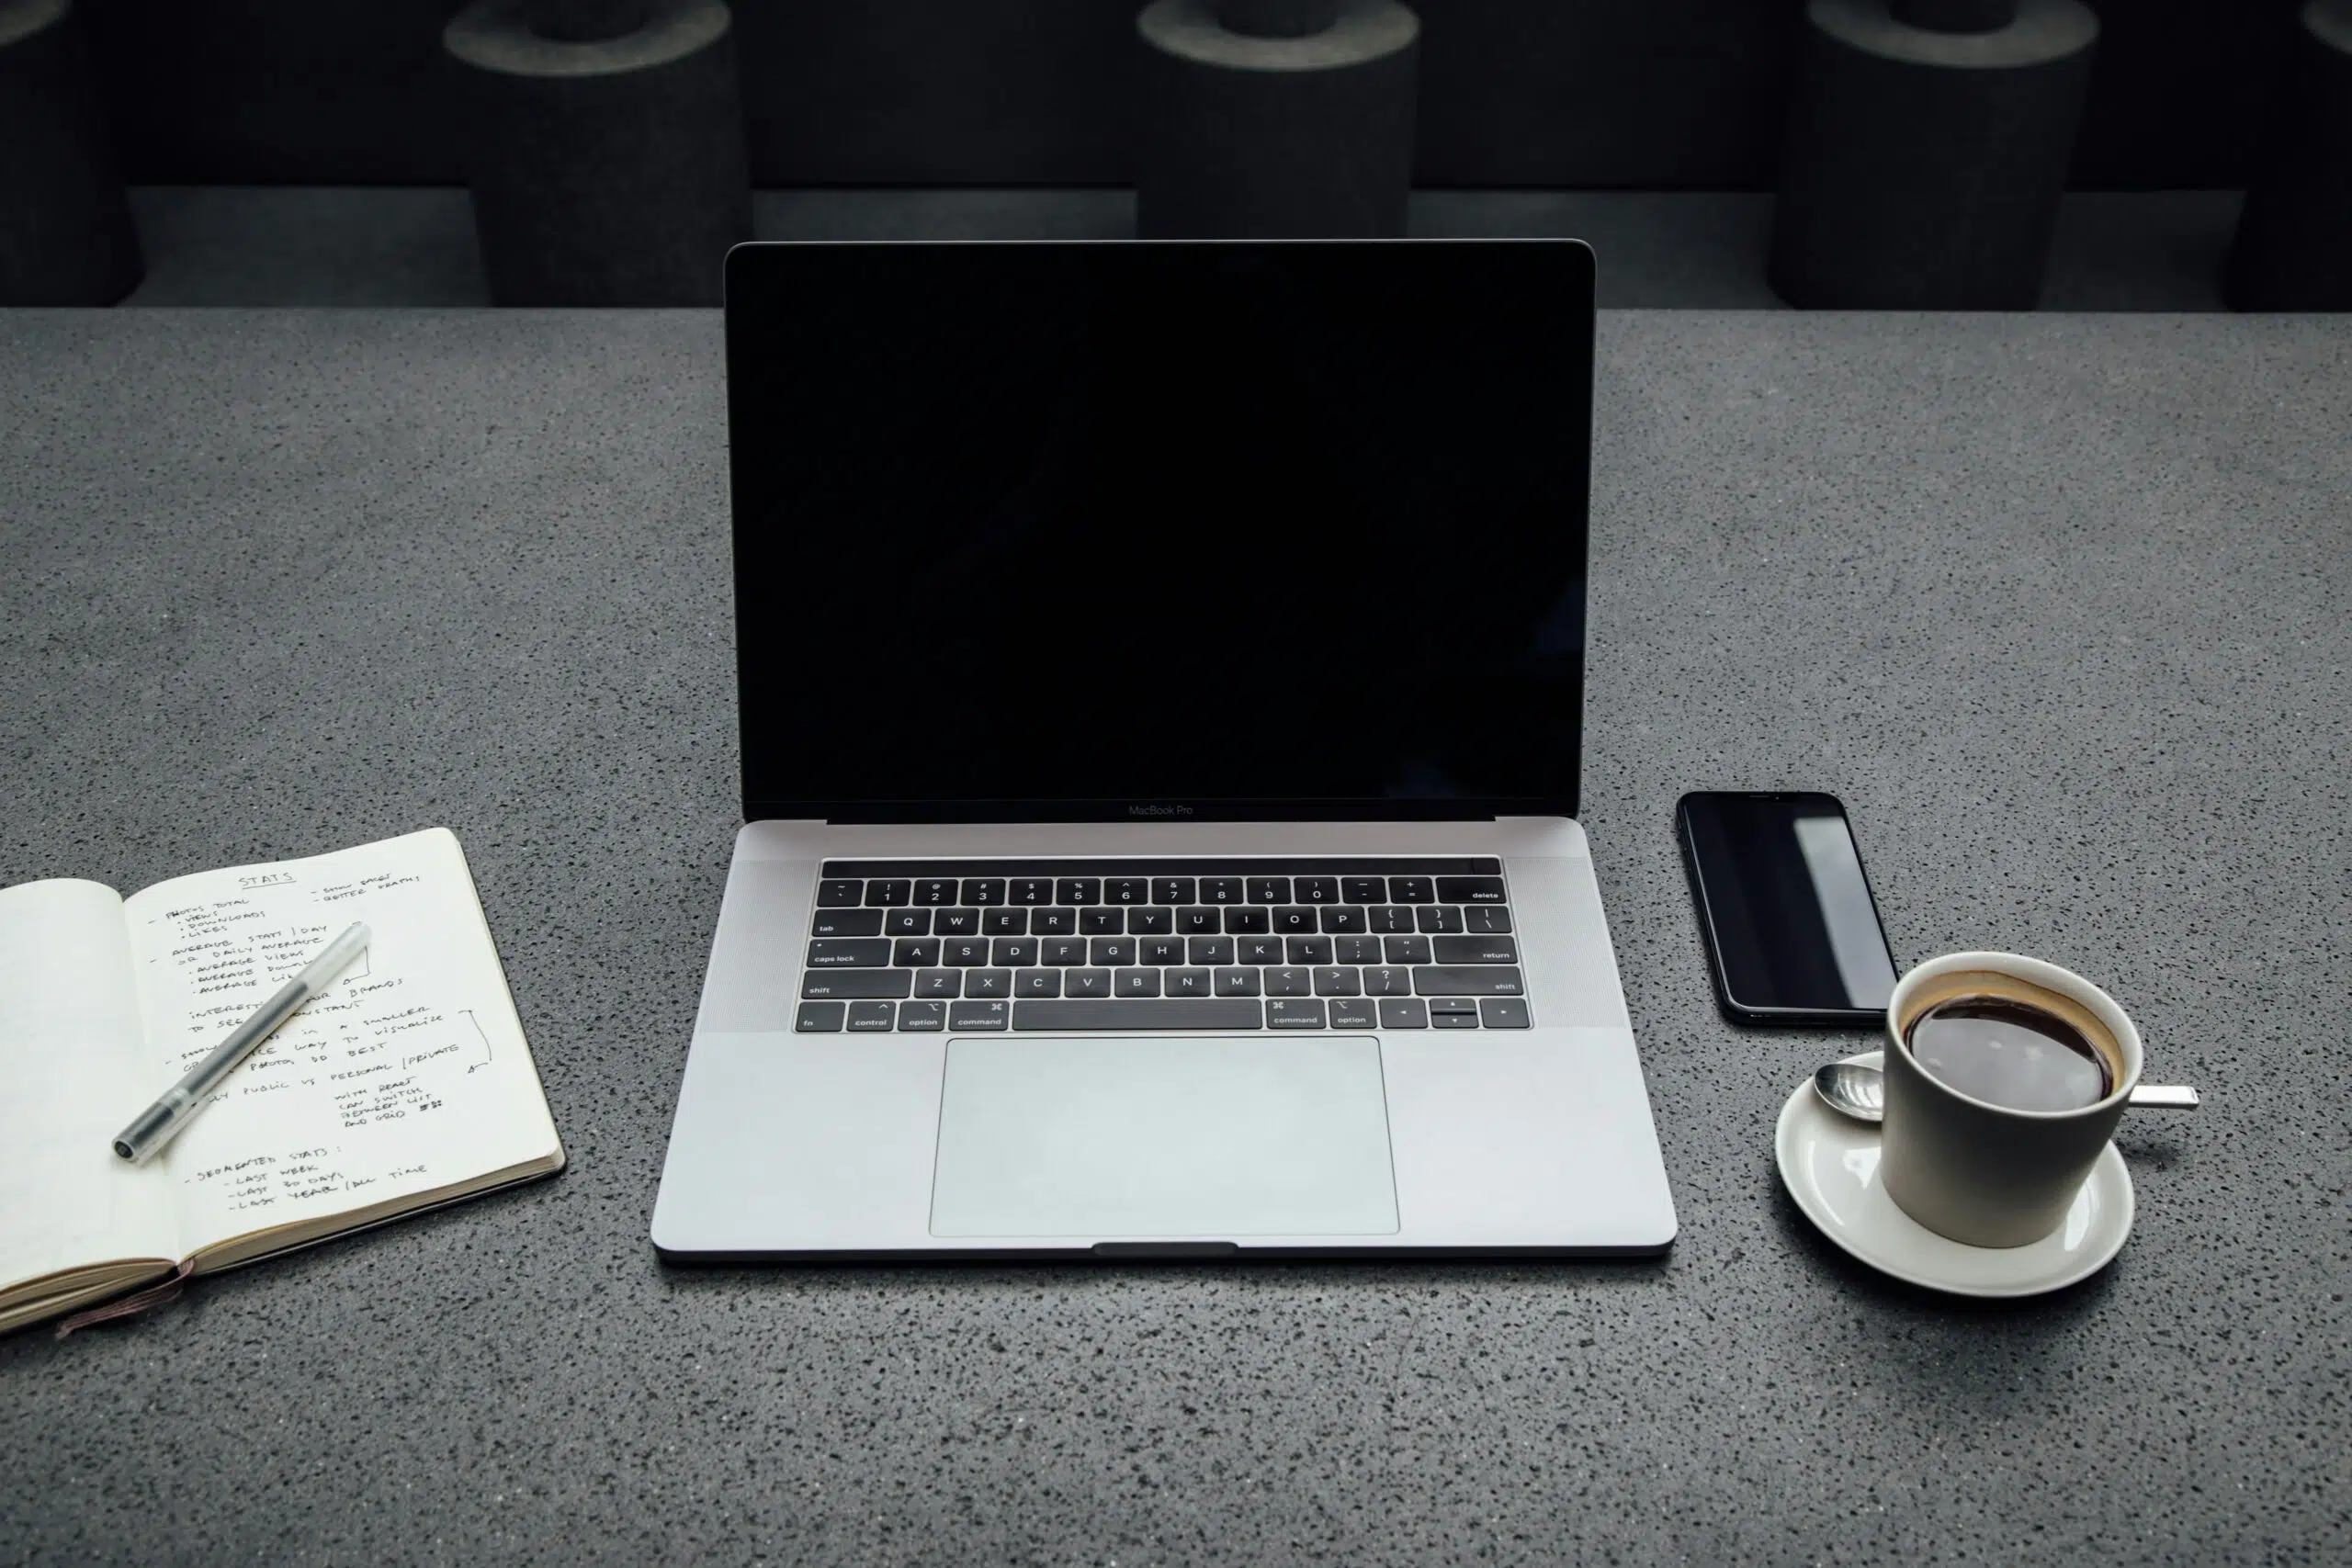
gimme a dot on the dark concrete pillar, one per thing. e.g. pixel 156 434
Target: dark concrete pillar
pixel 65 231
pixel 605 146
pixel 1929 144
pixel 1275 118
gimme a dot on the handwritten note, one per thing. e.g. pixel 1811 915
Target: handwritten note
pixel 406 1074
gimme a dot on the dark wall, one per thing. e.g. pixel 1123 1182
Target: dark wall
pixel 1648 94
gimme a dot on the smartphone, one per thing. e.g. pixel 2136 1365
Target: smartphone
pixel 1793 932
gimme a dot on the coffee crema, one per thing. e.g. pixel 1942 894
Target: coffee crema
pixel 2011 1054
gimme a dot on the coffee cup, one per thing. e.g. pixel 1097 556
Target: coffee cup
pixel 1960 1151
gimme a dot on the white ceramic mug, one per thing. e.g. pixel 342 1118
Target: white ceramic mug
pixel 1981 1173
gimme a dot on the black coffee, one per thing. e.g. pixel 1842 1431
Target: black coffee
pixel 2010 1054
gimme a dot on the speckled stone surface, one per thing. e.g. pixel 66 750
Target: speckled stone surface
pixel 2060 606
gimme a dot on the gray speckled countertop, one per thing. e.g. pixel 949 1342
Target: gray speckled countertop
pixel 2060 606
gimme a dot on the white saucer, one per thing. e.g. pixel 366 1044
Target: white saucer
pixel 1830 1164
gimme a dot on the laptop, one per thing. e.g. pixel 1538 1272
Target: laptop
pixel 1161 682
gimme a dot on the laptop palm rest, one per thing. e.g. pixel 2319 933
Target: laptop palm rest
pixel 1181 1138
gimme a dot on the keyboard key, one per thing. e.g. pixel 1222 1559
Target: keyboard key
pixel 871 1018
pixel 1111 951
pixel 1237 982
pixel 1289 1012
pixel 1185 982
pixel 1221 890
pixel 903 922
pixel 1063 950
pixel 1390 918
pixel 1379 981
pixel 1336 982
pixel 1290 982
pixel 1363 889
pixel 1078 890
pixel 1037 983
pixel 819 1018
pixel 1453 1021
pixel 1470 890
pixel 1343 919
pixel 956 922
pixel 982 891
pixel 1197 920
pixel 1086 982
pixel 1317 890
pixel 1440 1005
pixel 915 952
pixel 1160 951
pixel 1355 950
pixel 1469 949
pixel 1347 1012
pixel 838 894
pixel 1312 950
pixel 1106 922
pixel 1486 919
pixel 1503 1012
pixel 1208 950
pixel 1012 952
pixel 857 982
pixel 1438 918
pixel 890 893
pixel 1244 918
pixel 935 893
pixel 1268 889
pixel 849 953
pixel 1258 949
pixel 988 983
pixel 1057 921
pixel 1119 1012
pixel 1029 892
pixel 1404 1012
pixel 922 1018
pixel 1467 981
pixel 1406 949
pixel 1174 890
pixel 968 953
pixel 1005 922
pixel 1136 982
pixel 947 984
pixel 1296 919
pixel 1150 922
pixel 1411 890
pixel 1126 891
pixel 975 1017
pixel 846 922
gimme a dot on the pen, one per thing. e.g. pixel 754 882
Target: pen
pixel 161 1121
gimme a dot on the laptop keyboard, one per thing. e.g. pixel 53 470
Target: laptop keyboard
pixel 1064 945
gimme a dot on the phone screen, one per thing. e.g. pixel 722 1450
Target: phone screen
pixel 1784 904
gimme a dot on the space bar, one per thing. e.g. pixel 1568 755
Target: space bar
pixel 1117 1013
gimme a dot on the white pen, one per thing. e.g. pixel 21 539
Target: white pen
pixel 161 1121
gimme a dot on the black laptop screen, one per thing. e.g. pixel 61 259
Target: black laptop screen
pixel 1112 531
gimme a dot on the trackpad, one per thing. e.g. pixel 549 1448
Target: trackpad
pixel 1194 1138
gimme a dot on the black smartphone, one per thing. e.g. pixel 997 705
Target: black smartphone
pixel 1793 932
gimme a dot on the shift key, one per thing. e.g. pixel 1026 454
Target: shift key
pixel 1467 980
pixel 857 985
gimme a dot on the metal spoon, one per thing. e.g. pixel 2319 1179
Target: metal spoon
pixel 1854 1090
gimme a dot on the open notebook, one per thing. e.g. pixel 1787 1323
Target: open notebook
pixel 404 1084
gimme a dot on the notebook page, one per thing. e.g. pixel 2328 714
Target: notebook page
pixel 71 1055
pixel 407 1075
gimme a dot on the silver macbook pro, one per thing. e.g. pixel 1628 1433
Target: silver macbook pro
pixel 1162 683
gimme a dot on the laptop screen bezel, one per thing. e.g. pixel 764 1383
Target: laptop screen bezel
pixel 758 286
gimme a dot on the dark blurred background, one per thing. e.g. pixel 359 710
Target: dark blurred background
pixel 1597 95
